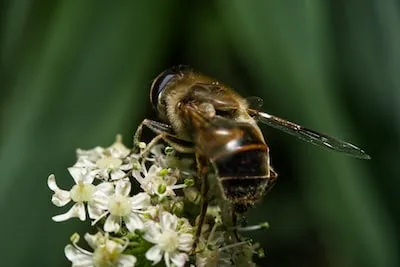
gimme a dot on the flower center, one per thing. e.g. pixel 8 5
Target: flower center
pixel 82 192
pixel 169 241
pixel 109 163
pixel 119 205
pixel 103 256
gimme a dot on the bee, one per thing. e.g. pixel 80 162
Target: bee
pixel 203 116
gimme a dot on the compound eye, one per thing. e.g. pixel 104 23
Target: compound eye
pixel 163 80
pixel 159 84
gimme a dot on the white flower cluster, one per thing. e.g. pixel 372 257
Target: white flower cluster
pixel 137 201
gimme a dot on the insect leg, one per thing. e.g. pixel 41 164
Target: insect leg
pixel 155 126
pixel 235 222
pixel 202 167
pixel 154 141
pixel 166 133
pixel 273 176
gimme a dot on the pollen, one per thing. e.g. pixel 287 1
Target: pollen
pixel 106 255
pixel 109 163
pixel 82 192
pixel 119 205
pixel 169 241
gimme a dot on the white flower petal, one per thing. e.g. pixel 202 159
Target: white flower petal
pixel 185 238
pixel 94 210
pixel 51 182
pixel 60 197
pixel 157 150
pixel 95 240
pixel 112 224
pixel 168 221
pixel 153 171
pixel 100 202
pixel 133 222
pixel 166 259
pixel 118 149
pixel 154 254
pixel 126 167
pixel 179 259
pixel 62 217
pixel 126 260
pixel 76 174
pixel 138 175
pixel 84 163
pixel 185 242
pixel 102 174
pixel 78 258
pixel 123 187
pixel 113 247
pixel 80 211
pixel 81 175
pixel 100 217
pixel 103 192
pixel 77 210
pixel 140 201
pixel 92 154
pixel 153 211
pixel 153 232
pixel 108 163
pixel 96 173
pixel 88 177
pixel 117 174
pixel 105 188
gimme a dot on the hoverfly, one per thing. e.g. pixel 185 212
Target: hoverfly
pixel 203 116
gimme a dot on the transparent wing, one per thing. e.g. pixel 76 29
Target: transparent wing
pixel 254 102
pixel 308 135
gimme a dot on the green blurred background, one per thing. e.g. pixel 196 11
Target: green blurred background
pixel 75 73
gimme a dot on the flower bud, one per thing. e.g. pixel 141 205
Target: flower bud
pixel 193 195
